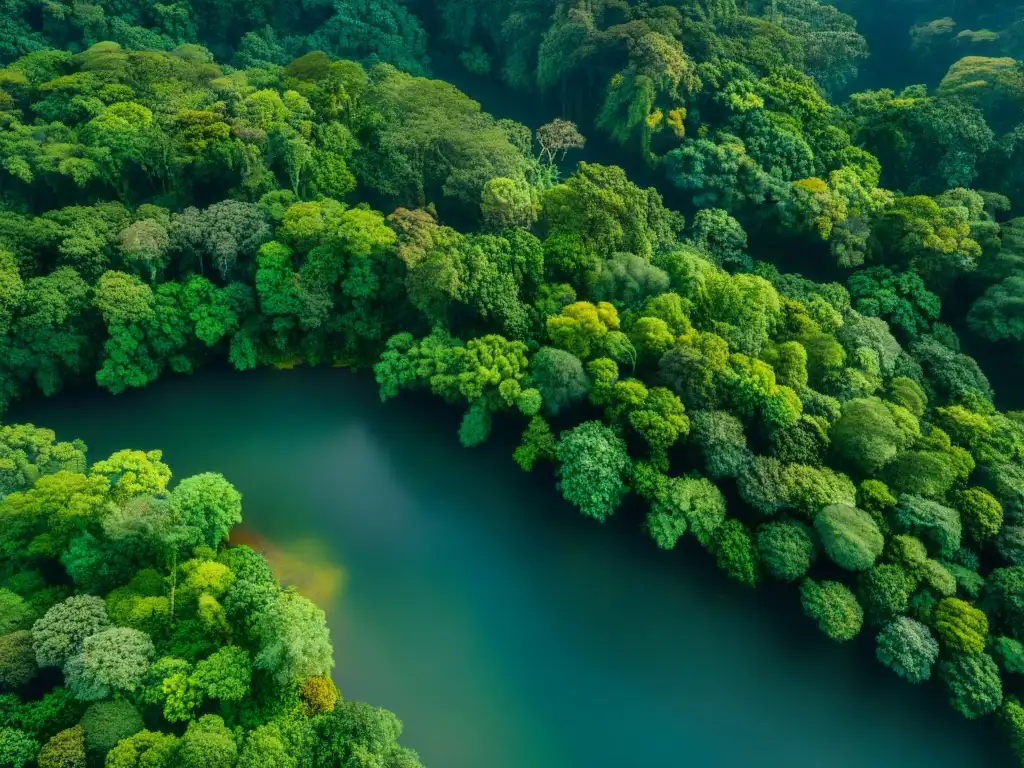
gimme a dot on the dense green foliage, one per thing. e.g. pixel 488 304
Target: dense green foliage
pixel 158 209
pixel 134 636
pixel 250 33
pixel 752 107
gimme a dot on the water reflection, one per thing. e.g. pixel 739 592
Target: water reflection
pixel 305 564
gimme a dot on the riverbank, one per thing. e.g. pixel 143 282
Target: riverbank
pixel 502 627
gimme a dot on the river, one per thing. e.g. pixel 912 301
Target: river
pixel 502 627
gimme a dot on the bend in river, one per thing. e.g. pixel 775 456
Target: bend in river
pixel 503 628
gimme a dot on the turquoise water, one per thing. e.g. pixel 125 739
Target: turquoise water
pixel 503 628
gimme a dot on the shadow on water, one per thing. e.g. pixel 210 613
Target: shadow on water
pixel 505 629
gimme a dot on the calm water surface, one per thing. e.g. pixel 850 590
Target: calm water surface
pixel 503 628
